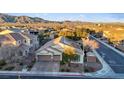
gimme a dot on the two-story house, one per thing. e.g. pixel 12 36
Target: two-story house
pixel 25 43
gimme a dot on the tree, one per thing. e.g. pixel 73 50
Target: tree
pixel 68 55
pixel 81 32
pixel 89 44
pixel 75 34
pixel 69 51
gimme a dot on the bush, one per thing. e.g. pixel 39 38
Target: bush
pixel 33 61
pixel 21 64
pixel 30 66
pixel 0 67
pixel 67 70
pixel 9 68
pixel 86 70
pixel 62 70
pixel 2 62
pixel 62 62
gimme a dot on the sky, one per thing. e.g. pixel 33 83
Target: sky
pixel 89 17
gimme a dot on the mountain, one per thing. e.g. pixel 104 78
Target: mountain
pixel 19 19
pixel 6 18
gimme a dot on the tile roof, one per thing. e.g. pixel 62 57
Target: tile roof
pixel 5 38
pixel 4 32
pixel 17 36
pixel 29 35
pixel 62 40
pixel 69 42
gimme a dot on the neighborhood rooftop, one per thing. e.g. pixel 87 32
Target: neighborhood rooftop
pixel 17 36
pixel 62 42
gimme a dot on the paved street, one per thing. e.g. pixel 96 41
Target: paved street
pixel 42 75
pixel 20 75
pixel 114 59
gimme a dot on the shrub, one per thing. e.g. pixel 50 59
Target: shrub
pixel 2 62
pixel 67 70
pixel 0 67
pixel 62 70
pixel 30 66
pixel 9 68
pixel 21 64
pixel 62 62
pixel 33 61
pixel 86 70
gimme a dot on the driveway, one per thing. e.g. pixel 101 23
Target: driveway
pixel 46 67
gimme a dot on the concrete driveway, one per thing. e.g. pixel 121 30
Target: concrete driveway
pixel 46 67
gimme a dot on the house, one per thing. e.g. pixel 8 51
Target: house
pixel 122 42
pixel 106 34
pixel 52 51
pixel 33 32
pixel 26 43
pixel 32 41
pixel 6 39
pixel 53 34
pixel 4 27
pixel 120 47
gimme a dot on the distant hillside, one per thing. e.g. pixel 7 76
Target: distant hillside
pixel 19 19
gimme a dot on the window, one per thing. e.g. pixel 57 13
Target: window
pixel 31 41
pixel 20 53
pixel 26 52
pixel 25 41
pixel 19 41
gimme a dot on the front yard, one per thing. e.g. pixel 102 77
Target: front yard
pixel 27 62
pixel 67 66
pixel 10 66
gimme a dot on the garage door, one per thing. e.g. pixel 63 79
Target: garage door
pixel 43 58
pixel 56 58
pixel 48 58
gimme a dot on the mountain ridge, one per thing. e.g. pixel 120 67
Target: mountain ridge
pixel 19 19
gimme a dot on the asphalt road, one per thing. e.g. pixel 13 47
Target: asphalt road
pixel 114 60
pixel 37 76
